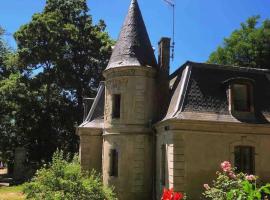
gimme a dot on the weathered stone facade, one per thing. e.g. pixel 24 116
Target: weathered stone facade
pixel 131 133
pixel 196 148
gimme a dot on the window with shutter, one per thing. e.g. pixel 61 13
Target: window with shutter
pixel 113 163
pixel 163 164
pixel 244 159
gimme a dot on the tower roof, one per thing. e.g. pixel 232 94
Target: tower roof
pixel 133 47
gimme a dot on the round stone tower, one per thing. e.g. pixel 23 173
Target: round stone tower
pixel 129 111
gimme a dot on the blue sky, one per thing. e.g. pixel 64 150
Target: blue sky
pixel 201 25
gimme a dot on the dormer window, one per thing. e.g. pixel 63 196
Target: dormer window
pixel 116 103
pixel 241 95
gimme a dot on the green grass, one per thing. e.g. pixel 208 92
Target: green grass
pixel 11 193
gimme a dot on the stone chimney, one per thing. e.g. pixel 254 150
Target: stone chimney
pixel 164 55
pixel 163 74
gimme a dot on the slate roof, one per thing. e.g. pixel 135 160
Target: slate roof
pixel 95 117
pixel 199 93
pixel 133 47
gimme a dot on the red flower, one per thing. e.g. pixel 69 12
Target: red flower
pixel 167 194
pixel 171 195
pixel 178 196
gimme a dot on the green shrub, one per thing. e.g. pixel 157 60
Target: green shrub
pixel 230 185
pixel 64 180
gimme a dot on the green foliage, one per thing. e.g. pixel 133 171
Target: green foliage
pixel 64 38
pixel 230 185
pixel 223 185
pixel 64 180
pixel 248 46
pixel 248 191
pixel 12 91
pixel 61 55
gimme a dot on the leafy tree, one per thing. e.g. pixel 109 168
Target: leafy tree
pixel 63 41
pixel 61 55
pixel 24 116
pixel 8 81
pixel 248 46
pixel 4 50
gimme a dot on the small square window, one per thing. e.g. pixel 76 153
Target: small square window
pixel 116 103
pixel 241 97
pixel 244 159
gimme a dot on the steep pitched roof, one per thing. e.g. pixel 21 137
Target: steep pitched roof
pixel 133 47
pixel 199 93
pixel 95 116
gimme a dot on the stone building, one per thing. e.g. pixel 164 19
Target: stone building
pixel 147 129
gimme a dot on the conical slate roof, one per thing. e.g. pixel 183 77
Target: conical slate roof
pixel 133 47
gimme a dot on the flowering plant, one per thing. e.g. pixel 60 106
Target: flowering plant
pixel 230 185
pixel 171 195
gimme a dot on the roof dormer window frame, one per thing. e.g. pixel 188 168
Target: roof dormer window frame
pixel 239 89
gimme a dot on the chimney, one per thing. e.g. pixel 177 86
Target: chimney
pixel 163 75
pixel 164 55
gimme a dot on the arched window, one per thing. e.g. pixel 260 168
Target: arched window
pixel 244 159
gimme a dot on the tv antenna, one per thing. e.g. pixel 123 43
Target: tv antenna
pixel 172 4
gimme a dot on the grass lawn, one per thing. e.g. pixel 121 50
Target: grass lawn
pixel 11 193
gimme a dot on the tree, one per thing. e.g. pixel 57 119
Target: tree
pixel 59 60
pixel 63 41
pixel 248 46
pixel 12 94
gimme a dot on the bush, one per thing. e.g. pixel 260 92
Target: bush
pixel 64 180
pixel 230 185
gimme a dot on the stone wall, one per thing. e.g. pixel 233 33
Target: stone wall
pixel 196 149
pixel 134 180
pixel 20 169
pixel 91 149
pixel 137 88
pixel 130 134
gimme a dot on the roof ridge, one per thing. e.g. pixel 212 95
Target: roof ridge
pixel 218 66
pixel 233 67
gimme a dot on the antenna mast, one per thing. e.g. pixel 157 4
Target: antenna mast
pixel 172 4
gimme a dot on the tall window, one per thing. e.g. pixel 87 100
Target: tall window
pixel 241 97
pixel 244 159
pixel 113 163
pixel 163 164
pixel 116 103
